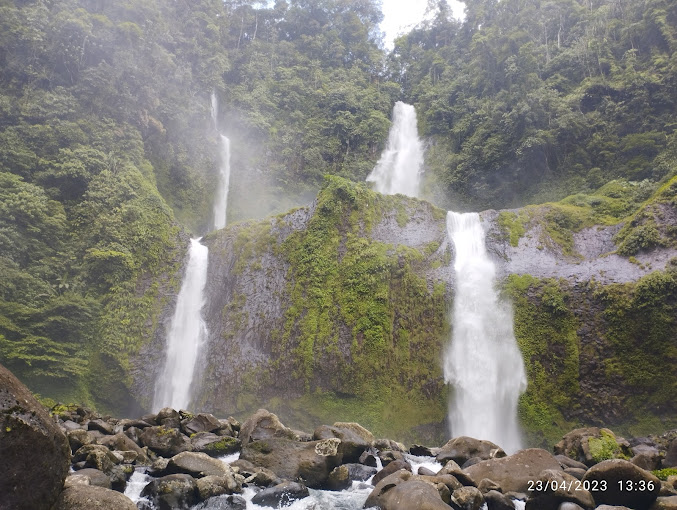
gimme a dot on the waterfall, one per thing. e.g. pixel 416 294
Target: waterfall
pixel 483 361
pixel 187 331
pixel 221 198
pixel 399 168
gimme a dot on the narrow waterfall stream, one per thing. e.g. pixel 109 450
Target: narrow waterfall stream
pixel 186 333
pixel 483 362
pixel 399 169
pixel 221 196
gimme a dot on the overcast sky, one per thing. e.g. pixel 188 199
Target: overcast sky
pixel 401 15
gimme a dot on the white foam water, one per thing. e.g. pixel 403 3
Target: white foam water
pixel 483 362
pixel 400 166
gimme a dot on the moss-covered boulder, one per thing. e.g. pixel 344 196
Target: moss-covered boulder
pixel 34 451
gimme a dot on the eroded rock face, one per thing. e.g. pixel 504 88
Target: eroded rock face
pixel 34 452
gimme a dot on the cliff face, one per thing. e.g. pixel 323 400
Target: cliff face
pixel 340 311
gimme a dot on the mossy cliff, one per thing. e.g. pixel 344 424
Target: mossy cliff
pixel 340 311
pixel 334 311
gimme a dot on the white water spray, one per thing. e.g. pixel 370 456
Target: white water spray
pixel 400 166
pixel 186 334
pixel 221 198
pixel 483 362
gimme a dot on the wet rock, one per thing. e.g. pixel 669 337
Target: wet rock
pixel 422 451
pixel 487 485
pixel 461 449
pixel 422 470
pixel 388 444
pixel 196 465
pixel 172 492
pixel 281 495
pixel 69 425
pixel 263 425
pixel 391 468
pixel 515 472
pixel 558 487
pixel 497 501
pixel 223 503
pixel 34 452
pixel 97 457
pixel 368 459
pixel 360 472
pixel 339 478
pixel 101 426
pixel 310 462
pixel 569 506
pixel 567 462
pixel 211 486
pixel 201 422
pixel 389 456
pixel 614 477
pixel 92 497
pixel 134 434
pixel 88 476
pixel 467 498
pixel 453 469
pixel 165 441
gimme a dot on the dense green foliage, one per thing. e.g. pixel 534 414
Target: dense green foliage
pixel 529 101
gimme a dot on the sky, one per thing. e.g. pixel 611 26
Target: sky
pixel 401 15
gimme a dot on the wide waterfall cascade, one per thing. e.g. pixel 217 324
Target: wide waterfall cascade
pixel 186 334
pixel 399 168
pixel 483 361
pixel 221 196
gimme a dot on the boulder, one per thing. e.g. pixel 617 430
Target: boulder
pixel 497 501
pixel 101 426
pixel 92 497
pixel 461 449
pixel 667 503
pixel 263 425
pixel 201 422
pixel 168 417
pixel 352 436
pixel 557 487
pixel 212 485
pixel 281 495
pixel 309 462
pixel 96 456
pixel 670 459
pixel 567 462
pixel 360 472
pixel 399 491
pixel 34 452
pixel 487 485
pixel 453 469
pixel 78 438
pixel 171 492
pixel 196 465
pixel 649 461
pixel 164 441
pixel 619 482
pixel 391 468
pixel 368 458
pixel 591 445
pixel 120 442
pixel 339 478
pixel 422 470
pixel 515 472
pixel 389 456
pixel 467 498
pixel 423 451
pixel 576 472
pixel 388 444
pixel 223 503
pixel 88 476
pixel 214 445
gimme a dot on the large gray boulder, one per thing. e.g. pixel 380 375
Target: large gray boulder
pixel 263 425
pixel 402 491
pixel 165 441
pixel 34 452
pixel 552 488
pixel 197 465
pixel 172 492
pixel 355 439
pixel 619 482
pixel 92 497
pixel 307 462
pixel 463 448
pixel 281 495
pixel 514 473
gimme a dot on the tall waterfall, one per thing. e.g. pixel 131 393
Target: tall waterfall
pixel 400 166
pixel 483 362
pixel 221 198
pixel 187 331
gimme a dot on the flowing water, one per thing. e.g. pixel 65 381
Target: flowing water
pixel 399 169
pixel 483 362
pixel 221 197
pixel 186 334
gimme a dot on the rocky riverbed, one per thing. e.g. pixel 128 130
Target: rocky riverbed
pixel 179 460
